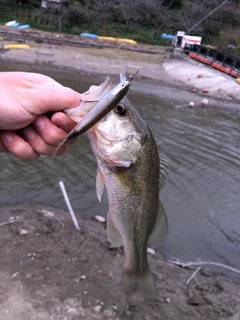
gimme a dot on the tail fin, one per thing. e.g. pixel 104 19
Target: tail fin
pixel 142 284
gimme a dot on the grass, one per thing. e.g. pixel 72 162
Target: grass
pixel 113 53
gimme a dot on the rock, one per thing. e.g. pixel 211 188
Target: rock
pixel 23 232
pixel 97 309
pixel 150 250
pixel 100 219
pixel 108 314
pixel 168 300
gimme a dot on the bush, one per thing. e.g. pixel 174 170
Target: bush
pixel 75 30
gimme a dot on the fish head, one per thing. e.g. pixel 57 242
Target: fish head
pixel 89 99
pixel 117 138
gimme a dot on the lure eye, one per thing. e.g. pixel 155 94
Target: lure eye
pixel 120 109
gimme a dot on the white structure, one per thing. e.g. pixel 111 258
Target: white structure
pixel 182 39
pixel 45 2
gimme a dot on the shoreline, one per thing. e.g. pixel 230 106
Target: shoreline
pixel 164 87
pixel 175 74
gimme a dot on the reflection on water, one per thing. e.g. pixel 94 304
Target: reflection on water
pixel 202 146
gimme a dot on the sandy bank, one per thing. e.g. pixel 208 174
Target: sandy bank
pixel 51 271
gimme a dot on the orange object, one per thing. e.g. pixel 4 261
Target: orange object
pixel 199 75
pixel 205 90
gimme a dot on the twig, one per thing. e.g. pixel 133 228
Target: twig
pixel 5 223
pixel 60 221
pixel 64 192
pixel 14 275
pixel 200 263
pixel 188 283
pixel 51 215
pixel 201 286
pixel 193 275
pixel 217 224
pixel 167 263
pixel 236 233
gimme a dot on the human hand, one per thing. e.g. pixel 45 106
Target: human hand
pixel 26 128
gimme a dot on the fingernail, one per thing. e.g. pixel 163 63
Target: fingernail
pixel 39 123
pixel 7 137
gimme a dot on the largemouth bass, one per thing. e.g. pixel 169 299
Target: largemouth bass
pixel 133 174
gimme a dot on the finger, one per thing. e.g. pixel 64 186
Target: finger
pixel 20 148
pixel 38 144
pixel 3 148
pixel 49 132
pixel 63 121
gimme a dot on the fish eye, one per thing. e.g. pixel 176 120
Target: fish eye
pixel 122 84
pixel 120 109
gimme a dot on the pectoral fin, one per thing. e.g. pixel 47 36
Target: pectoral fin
pixel 164 171
pixel 114 236
pixel 99 185
pixel 160 229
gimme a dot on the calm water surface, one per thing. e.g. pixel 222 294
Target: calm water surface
pixel 202 146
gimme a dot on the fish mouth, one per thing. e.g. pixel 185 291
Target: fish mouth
pixel 100 89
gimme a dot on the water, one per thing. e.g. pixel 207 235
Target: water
pixel 202 147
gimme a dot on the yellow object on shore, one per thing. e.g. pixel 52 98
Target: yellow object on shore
pixel 129 41
pixel 238 80
pixel 107 38
pixel 16 46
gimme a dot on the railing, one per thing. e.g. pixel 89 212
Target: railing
pixel 217 59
